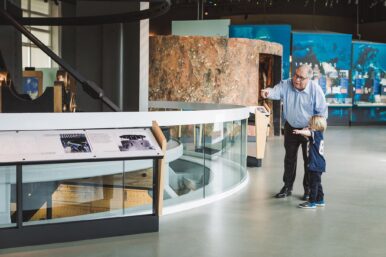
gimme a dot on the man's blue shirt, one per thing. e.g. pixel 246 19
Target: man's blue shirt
pixel 299 106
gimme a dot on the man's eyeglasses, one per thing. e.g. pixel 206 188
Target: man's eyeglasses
pixel 296 76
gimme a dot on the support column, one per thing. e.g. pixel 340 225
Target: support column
pixel 115 56
pixel 10 47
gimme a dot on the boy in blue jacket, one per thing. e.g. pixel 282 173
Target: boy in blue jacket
pixel 317 163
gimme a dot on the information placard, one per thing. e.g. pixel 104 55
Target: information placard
pixel 59 145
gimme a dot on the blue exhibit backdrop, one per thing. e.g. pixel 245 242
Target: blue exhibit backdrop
pixel 368 72
pixel 329 54
pixel 273 33
pixel 369 82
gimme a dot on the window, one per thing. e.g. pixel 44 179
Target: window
pixel 32 55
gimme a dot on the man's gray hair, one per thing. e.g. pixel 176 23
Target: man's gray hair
pixel 307 68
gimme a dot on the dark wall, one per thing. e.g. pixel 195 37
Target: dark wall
pixel 369 31
pixel 300 22
pixel 105 54
pixel 10 47
pixel 163 25
pixel 375 31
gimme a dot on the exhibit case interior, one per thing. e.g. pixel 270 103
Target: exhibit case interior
pixel 206 154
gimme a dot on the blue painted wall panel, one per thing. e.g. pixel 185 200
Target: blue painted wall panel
pixel 329 54
pixel 273 33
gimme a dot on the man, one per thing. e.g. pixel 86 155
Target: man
pixel 301 99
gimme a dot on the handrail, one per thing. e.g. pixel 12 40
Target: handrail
pixel 191 106
pixel 89 86
pixel 100 120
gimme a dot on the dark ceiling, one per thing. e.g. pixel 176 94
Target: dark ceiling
pixel 366 10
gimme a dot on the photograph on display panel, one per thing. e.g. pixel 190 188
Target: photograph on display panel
pixel 123 142
pixel 134 143
pixel 75 143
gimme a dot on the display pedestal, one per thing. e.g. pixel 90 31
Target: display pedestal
pixel 261 130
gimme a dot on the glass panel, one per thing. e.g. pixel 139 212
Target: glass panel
pixel 7 196
pixel 184 178
pixel 40 6
pixel 224 143
pixel 45 28
pixel 24 4
pixel 25 14
pixel 39 59
pixel 138 187
pixel 49 76
pixel 24 39
pixel 244 148
pixel 25 54
pixel 42 36
pixel 55 193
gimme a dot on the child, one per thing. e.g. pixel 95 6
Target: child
pixel 317 163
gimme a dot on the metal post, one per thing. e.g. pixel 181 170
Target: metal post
pixel 202 9
pixel 19 195
pixel 156 186
pixel 198 9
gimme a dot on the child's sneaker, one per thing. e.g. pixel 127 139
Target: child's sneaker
pixel 320 203
pixel 307 205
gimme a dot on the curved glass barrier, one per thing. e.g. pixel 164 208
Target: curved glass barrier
pixel 205 158
pixel 212 160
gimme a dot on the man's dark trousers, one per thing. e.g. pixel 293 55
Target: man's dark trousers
pixel 291 145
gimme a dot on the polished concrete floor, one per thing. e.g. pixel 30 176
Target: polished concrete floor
pixel 253 223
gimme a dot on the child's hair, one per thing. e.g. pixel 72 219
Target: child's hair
pixel 318 123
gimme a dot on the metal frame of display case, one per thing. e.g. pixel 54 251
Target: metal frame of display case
pixel 76 230
pixel 86 229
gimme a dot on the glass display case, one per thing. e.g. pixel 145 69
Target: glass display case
pixel 205 160
pixel 65 185
pixel 69 176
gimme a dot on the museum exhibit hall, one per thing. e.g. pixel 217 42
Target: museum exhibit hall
pixel 192 128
